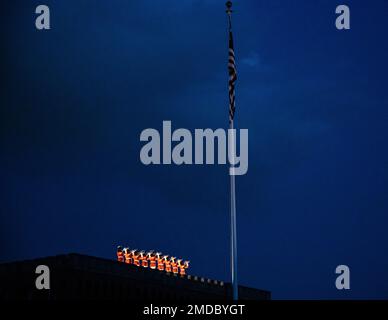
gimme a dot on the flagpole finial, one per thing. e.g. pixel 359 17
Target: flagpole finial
pixel 228 7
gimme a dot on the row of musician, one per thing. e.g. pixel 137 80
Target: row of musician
pixel 152 260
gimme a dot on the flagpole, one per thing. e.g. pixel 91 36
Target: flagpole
pixel 232 144
pixel 233 231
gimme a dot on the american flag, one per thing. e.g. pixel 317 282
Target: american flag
pixel 232 78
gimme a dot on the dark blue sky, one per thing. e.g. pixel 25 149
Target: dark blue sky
pixel 74 100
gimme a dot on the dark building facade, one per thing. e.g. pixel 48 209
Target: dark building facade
pixel 81 277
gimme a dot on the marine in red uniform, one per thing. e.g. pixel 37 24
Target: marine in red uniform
pixel 159 260
pixel 120 254
pixel 151 259
pixel 127 256
pixel 182 267
pixel 135 257
pixel 143 259
pixel 167 264
pixel 174 265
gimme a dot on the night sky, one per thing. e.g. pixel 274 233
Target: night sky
pixel 74 100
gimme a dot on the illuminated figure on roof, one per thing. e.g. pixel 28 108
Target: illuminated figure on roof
pixel 167 263
pixel 120 255
pixel 135 257
pixel 183 266
pixel 159 259
pixel 127 256
pixel 143 259
pixel 174 265
pixel 152 259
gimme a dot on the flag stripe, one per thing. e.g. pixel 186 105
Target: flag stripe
pixel 232 78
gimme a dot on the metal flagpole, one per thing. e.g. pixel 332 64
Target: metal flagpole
pixel 232 144
pixel 233 231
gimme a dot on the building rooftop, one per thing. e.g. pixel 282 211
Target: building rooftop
pixel 82 277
